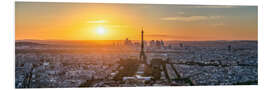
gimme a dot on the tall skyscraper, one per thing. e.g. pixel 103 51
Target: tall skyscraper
pixel 127 42
pixel 142 53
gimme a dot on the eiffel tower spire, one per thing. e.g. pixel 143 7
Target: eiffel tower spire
pixel 142 54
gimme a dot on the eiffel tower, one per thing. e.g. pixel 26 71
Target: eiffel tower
pixel 142 53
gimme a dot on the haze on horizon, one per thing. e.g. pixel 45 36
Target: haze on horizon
pixel 95 21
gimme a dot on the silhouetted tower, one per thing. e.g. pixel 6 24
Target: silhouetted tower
pixel 181 45
pixel 142 54
pixel 127 42
pixel 229 47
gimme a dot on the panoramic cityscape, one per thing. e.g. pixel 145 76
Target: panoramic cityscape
pixel 62 45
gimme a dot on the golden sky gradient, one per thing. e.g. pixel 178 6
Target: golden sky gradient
pixel 89 21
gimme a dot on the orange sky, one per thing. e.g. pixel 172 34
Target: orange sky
pixel 78 21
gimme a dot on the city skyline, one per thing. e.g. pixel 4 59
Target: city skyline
pixel 96 21
pixel 66 45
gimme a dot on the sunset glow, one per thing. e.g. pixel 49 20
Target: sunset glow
pixel 101 30
pixel 78 21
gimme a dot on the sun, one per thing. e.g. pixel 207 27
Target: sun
pixel 101 30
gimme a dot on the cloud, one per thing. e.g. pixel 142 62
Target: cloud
pixel 158 35
pixel 98 21
pixel 175 37
pixel 181 13
pixel 118 26
pixel 108 24
pixel 214 6
pixel 191 18
pixel 218 24
pixel 166 36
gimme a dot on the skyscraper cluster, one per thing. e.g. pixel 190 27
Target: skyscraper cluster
pixel 157 43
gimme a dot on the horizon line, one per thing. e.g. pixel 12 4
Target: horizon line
pixel 131 40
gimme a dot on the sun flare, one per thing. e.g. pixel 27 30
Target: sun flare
pixel 101 30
